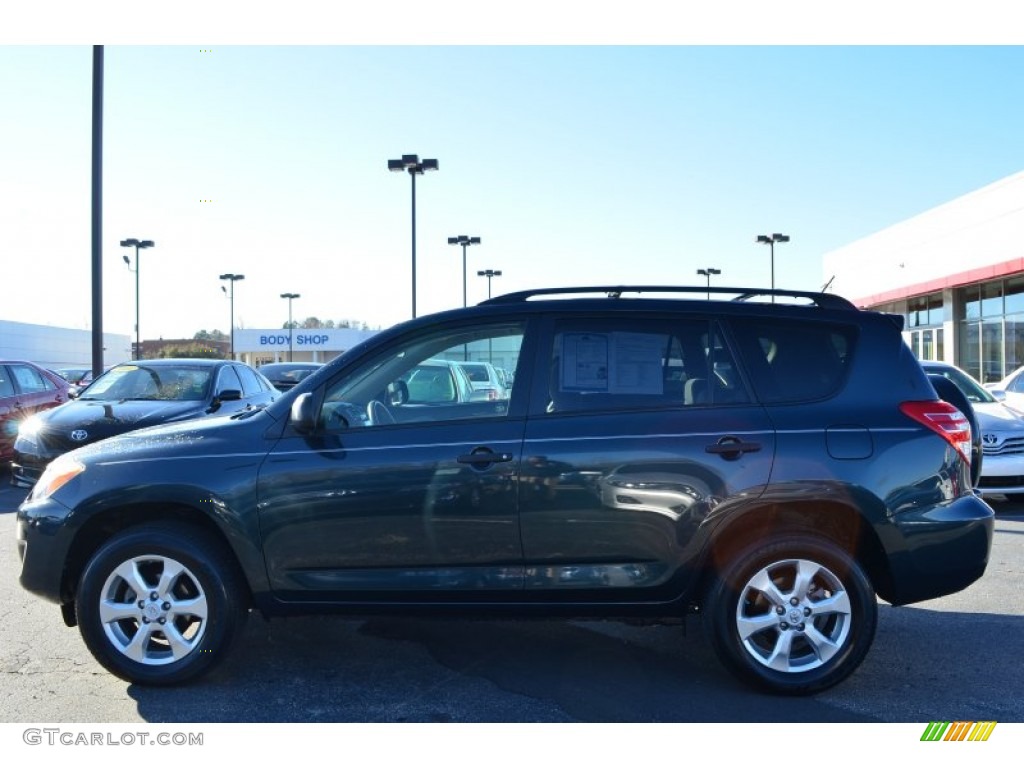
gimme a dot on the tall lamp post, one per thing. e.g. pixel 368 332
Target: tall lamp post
pixel 465 241
pixel 489 273
pixel 771 240
pixel 139 244
pixel 708 273
pixel 233 279
pixel 291 327
pixel 415 167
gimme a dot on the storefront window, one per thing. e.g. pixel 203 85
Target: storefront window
pixel 991 351
pixel 992 300
pixel 972 303
pixel 1014 342
pixel 970 348
pixel 1014 295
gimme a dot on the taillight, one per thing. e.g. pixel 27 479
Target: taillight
pixel 944 419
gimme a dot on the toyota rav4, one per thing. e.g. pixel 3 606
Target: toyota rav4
pixel 775 461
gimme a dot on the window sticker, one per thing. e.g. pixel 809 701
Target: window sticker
pixel 618 363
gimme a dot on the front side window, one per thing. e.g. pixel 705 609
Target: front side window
pixel 29 379
pixel 227 379
pixel 250 384
pixel 425 379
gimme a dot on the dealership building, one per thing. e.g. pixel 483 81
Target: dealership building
pixel 956 274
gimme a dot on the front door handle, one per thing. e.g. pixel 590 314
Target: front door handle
pixel 732 448
pixel 483 456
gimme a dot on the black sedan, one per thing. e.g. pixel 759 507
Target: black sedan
pixel 133 395
pixel 284 376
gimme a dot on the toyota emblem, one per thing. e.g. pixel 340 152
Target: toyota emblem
pixel 79 435
pixel 990 439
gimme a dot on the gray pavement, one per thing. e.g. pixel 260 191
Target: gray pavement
pixel 956 658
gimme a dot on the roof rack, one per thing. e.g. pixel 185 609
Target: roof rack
pixel 823 300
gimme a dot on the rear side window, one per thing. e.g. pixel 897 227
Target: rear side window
pixel 793 361
pixel 613 364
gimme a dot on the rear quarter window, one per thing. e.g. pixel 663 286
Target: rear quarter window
pixel 790 360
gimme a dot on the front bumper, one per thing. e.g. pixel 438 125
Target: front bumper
pixel 23 476
pixel 1001 475
pixel 43 540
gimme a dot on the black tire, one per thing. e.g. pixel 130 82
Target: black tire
pixel 784 638
pixel 191 586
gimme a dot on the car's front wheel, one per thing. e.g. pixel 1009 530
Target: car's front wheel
pixel 160 604
pixel 791 615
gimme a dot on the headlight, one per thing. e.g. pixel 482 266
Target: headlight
pixel 56 475
pixel 30 426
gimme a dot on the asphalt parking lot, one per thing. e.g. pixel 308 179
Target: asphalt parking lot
pixel 956 658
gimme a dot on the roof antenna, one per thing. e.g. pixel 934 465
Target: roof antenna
pixel 824 288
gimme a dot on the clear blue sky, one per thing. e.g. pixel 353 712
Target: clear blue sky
pixel 574 164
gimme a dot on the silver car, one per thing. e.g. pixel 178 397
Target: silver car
pixel 1002 434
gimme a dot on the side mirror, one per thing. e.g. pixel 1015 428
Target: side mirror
pixel 303 414
pixel 228 394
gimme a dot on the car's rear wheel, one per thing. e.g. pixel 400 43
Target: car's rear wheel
pixel 160 604
pixel 793 615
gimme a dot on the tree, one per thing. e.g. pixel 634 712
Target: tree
pixel 195 349
pixel 213 335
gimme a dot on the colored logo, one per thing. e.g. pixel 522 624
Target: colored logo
pixel 958 731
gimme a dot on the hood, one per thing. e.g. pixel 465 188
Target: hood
pixel 99 419
pixel 998 417
pixel 213 434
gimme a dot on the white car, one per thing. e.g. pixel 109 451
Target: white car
pixel 1002 431
pixel 1010 389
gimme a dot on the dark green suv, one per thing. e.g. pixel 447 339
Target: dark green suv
pixel 772 460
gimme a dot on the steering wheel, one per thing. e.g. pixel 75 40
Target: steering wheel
pixel 378 413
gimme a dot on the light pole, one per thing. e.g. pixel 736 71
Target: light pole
pixel 233 279
pixel 415 167
pixel 139 244
pixel 708 273
pixel 464 241
pixel 771 240
pixel 489 273
pixel 291 327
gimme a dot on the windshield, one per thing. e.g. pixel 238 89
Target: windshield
pixel 142 382
pixel 972 389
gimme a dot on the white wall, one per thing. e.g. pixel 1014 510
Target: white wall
pixel 51 347
pixel 982 228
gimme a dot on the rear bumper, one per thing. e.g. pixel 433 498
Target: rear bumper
pixel 945 549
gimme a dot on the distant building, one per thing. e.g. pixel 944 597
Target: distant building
pixel 956 273
pixel 53 347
